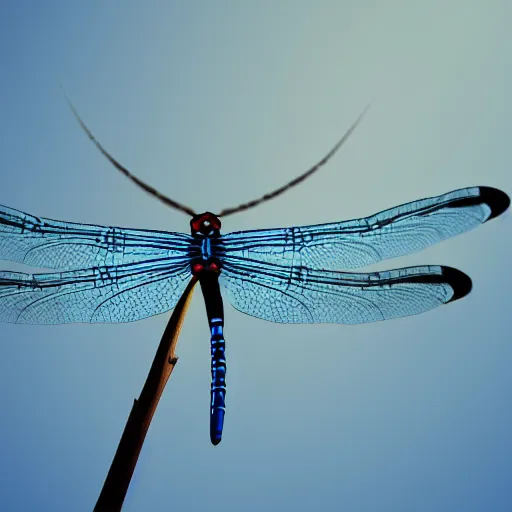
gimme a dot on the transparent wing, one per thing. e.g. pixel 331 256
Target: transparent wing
pixel 47 243
pixel 395 232
pixel 121 293
pixel 299 295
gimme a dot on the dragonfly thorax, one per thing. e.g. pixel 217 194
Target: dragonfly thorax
pixel 207 245
pixel 200 267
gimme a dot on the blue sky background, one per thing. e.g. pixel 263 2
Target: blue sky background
pixel 215 104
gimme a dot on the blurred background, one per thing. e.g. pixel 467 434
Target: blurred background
pixel 215 104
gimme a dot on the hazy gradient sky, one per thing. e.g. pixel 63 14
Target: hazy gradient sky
pixel 214 104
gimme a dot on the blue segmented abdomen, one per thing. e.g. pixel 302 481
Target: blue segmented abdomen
pixel 218 390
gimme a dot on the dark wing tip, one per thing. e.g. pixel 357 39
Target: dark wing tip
pixel 460 282
pixel 496 199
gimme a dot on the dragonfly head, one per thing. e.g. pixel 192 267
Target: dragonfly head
pixel 205 223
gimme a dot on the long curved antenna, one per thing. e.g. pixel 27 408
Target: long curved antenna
pixel 298 179
pixel 148 188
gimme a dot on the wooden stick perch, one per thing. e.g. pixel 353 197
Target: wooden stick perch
pixel 121 470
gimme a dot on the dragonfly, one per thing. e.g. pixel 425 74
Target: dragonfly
pixel 285 275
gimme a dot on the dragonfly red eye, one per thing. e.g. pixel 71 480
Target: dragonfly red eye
pixel 214 267
pixel 197 267
pixel 195 224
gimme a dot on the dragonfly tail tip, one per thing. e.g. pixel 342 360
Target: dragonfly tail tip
pixel 216 425
pixel 216 439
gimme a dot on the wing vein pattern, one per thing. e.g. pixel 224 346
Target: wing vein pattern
pixel 48 243
pixel 301 295
pixel 122 293
pixel 108 274
pixel 356 243
pixel 289 275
